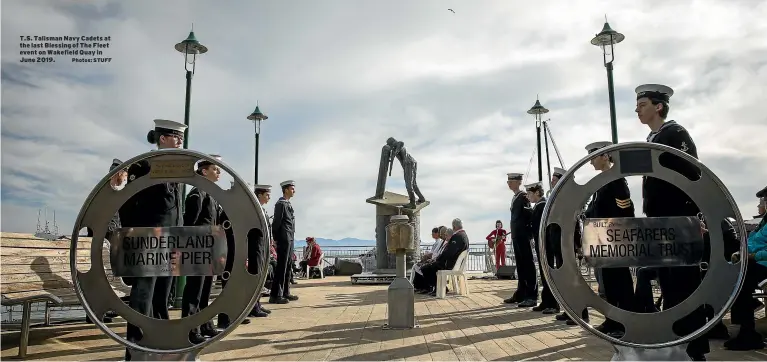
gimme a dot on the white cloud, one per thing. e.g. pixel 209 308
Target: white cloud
pixel 337 78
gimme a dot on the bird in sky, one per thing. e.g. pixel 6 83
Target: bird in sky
pixel 451 10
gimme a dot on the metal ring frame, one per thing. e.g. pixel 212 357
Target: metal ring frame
pixel 645 330
pixel 169 336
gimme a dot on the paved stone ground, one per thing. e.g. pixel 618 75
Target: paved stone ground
pixel 335 320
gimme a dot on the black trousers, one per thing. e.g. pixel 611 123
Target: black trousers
pixel 148 296
pixel 283 271
pixel 742 311
pixel 196 294
pixel 430 274
pixel 527 283
pixel 644 302
pixel 619 289
pixel 677 284
pixel 547 298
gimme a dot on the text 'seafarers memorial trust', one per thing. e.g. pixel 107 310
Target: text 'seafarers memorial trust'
pixel 77 49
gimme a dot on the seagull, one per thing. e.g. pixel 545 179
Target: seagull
pixel 451 10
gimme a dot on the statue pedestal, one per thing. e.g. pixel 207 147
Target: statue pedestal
pixel 386 207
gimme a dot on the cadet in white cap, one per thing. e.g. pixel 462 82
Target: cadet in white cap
pixel 535 195
pixel 155 206
pixel 263 194
pixel 200 209
pixel 283 229
pixel 612 201
pixel 527 288
pixel 662 199
pixel 556 176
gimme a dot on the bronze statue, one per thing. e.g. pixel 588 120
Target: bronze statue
pixel 409 166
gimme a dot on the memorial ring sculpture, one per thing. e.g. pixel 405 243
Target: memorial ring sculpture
pixel 162 339
pixel 644 331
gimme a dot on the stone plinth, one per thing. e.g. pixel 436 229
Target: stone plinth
pixel 386 207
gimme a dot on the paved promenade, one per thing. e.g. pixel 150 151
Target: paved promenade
pixel 335 320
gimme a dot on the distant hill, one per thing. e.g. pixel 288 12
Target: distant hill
pixel 343 242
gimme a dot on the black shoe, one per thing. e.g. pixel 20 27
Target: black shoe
pixel 420 201
pixel 539 308
pixel 259 314
pixel 550 311
pixel 196 338
pixel 718 332
pixel 266 310
pixel 698 358
pixel 527 303
pixel 292 281
pixel 562 317
pixel 745 342
pixel 291 297
pixel 107 320
pixel 245 321
pixel 209 331
pixel 278 301
pixel 515 298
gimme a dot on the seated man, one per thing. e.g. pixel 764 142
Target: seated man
pixel 742 311
pixel 459 242
pixel 312 254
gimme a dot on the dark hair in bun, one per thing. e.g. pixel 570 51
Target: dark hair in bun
pixel 151 137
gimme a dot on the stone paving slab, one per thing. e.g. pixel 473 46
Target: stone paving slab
pixel 335 320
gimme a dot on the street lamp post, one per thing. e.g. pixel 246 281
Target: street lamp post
pixel 257 116
pixel 191 48
pixel 606 39
pixel 537 110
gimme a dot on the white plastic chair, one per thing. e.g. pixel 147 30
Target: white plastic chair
pixel 457 276
pixel 318 266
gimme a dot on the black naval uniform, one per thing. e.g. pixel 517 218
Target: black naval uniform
pixel 527 286
pixel 283 229
pixel 662 199
pixel 155 206
pixel 199 210
pixel 614 200
pixel 547 298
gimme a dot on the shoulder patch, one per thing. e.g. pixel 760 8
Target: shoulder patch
pixel 623 204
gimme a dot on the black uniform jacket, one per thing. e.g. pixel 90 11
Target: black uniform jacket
pixel 520 216
pixel 155 206
pixel 284 225
pixel 660 197
pixel 455 246
pixel 612 200
pixel 201 209
pixel 535 219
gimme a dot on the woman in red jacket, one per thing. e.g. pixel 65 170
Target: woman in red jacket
pixel 312 253
pixel 497 239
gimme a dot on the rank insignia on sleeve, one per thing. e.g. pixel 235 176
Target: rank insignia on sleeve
pixel 684 147
pixel 623 204
pixel 132 177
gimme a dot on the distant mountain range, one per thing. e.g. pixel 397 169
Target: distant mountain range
pixel 343 242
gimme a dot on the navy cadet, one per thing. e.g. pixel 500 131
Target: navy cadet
pixel 612 200
pixel 263 194
pixel 548 304
pixel 200 209
pixel 283 229
pixel 155 206
pixel 409 168
pixel 662 199
pixel 527 288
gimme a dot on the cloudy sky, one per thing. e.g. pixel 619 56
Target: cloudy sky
pixel 338 77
